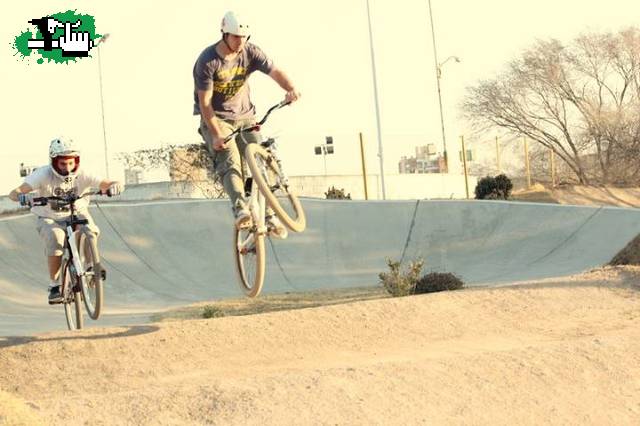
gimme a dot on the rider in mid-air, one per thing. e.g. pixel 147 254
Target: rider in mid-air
pixel 62 176
pixel 221 98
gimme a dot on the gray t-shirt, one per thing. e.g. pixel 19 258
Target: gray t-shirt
pixel 229 80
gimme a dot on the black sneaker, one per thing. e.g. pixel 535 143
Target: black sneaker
pixel 54 295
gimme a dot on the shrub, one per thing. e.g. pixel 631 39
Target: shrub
pixel 211 311
pixel 494 188
pixel 438 281
pixel 504 186
pixel 398 283
pixel 336 194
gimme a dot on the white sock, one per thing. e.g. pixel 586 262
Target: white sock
pixel 53 284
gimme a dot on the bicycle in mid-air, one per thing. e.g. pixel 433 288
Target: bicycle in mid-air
pixel 268 184
pixel 81 274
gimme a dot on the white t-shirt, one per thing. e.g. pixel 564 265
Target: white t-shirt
pixel 46 184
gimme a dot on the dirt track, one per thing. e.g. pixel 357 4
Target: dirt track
pixel 549 352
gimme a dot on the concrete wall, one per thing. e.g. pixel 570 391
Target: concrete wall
pixel 174 252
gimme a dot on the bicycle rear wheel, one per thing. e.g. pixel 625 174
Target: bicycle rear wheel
pixel 71 294
pixel 267 175
pixel 91 282
pixel 249 253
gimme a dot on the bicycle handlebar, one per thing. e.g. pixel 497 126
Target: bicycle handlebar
pixel 259 123
pixel 67 199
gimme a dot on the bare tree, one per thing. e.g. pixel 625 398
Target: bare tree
pixel 582 101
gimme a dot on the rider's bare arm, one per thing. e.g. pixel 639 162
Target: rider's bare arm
pixel 105 184
pixel 285 82
pixel 206 109
pixel 22 189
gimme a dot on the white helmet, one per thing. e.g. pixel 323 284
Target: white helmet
pixel 233 24
pixel 63 147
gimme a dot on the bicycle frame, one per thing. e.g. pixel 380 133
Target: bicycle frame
pixel 70 245
pixel 257 203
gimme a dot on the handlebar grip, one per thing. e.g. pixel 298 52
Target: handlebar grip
pixel 40 201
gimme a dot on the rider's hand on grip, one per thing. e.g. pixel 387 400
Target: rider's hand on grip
pixel 115 189
pixel 291 96
pixel 25 199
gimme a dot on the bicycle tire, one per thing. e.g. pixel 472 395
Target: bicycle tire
pixel 251 284
pixel 268 182
pixel 71 303
pixel 91 283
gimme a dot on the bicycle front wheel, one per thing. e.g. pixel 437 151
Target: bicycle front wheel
pixel 71 302
pixel 267 175
pixel 91 281
pixel 249 252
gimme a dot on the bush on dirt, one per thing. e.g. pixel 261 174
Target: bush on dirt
pixel 336 194
pixel 211 311
pixel 438 281
pixel 398 283
pixel 494 188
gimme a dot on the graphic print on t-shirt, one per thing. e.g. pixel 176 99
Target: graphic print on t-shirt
pixel 67 186
pixel 229 81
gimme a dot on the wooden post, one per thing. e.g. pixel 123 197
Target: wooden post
pixel 498 155
pixel 364 168
pixel 464 165
pixel 552 156
pixel 526 163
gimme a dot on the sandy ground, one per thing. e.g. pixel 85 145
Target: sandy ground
pixel 556 351
pixel 581 195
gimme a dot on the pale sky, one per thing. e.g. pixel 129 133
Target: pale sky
pixel 324 48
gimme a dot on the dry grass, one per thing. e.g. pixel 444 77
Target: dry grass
pixel 272 303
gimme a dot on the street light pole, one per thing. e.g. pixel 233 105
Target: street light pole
pixel 438 75
pixel 104 131
pixel 375 94
pixel 324 156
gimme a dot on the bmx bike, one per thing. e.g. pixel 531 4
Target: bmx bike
pixel 267 185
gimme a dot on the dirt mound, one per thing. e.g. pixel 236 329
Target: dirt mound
pixel 580 195
pixel 537 193
pixel 630 255
pixel 556 351
pixel 590 195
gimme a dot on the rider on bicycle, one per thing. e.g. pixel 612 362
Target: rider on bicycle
pixel 221 98
pixel 62 176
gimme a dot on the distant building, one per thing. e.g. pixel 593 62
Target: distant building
pixel 133 176
pixel 426 160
